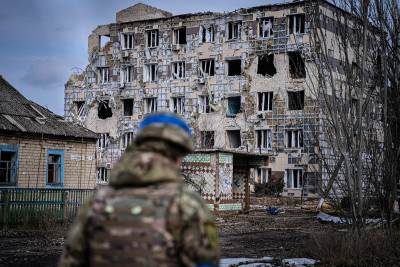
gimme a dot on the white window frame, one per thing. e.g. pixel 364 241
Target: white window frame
pixel 103 141
pixel 127 74
pixel 178 70
pixel 150 105
pixel 178 104
pixel 266 139
pixel 266 101
pixel 127 40
pixel 236 30
pixel 296 20
pixel 204 104
pixel 127 139
pixel 296 136
pixel 150 73
pixel 263 174
pixel 292 177
pixel 102 175
pixel 104 75
pixel 153 42
pixel 208 33
pixel 205 67
pixel 175 36
pixel 266 27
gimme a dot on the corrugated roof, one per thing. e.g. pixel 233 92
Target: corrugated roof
pixel 18 114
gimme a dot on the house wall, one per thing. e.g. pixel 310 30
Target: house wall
pixel 79 161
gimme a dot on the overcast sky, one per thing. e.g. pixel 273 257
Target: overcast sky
pixel 42 41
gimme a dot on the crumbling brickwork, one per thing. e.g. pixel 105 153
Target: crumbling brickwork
pixel 239 78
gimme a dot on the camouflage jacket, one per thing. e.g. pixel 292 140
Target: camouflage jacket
pixel 145 217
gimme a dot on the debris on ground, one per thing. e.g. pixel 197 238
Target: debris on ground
pixel 299 262
pixel 324 217
pixel 275 210
pixel 267 262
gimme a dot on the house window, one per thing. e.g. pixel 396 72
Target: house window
pixel 150 73
pixel 104 40
pixel 265 101
pixel 8 164
pixel 207 34
pixel 264 139
pixel 294 178
pixel 150 104
pixel 152 38
pixel 178 70
pixel 234 67
pixel 265 27
pixel 204 104
pixel 207 67
pixel 102 175
pixel 296 23
pixel 128 107
pixel 178 104
pixel 233 105
pixel 55 167
pixel 91 76
pixel 266 65
pixel 234 140
pixel 127 41
pixel 104 75
pixel 234 29
pixel 104 110
pixel 207 139
pixel 263 175
pixel 79 105
pixel 296 100
pixel 103 141
pixel 294 138
pixel 179 36
pixel 127 139
pixel 127 73
pixel 297 67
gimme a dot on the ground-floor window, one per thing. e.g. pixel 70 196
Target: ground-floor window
pixel 8 164
pixel 102 175
pixel 263 175
pixel 55 167
pixel 294 178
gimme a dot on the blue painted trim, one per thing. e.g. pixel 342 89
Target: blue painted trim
pixel 165 119
pixel 12 148
pixel 59 152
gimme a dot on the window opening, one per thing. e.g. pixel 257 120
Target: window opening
pixel 266 65
pixel 234 67
pixel 296 100
pixel 104 110
pixel 234 138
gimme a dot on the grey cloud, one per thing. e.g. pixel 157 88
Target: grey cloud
pixel 44 73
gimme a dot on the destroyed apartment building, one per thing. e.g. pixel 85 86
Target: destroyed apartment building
pixel 238 78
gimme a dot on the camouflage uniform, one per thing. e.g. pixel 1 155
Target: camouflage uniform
pixel 145 217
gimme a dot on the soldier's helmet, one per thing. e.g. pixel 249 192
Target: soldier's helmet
pixel 166 127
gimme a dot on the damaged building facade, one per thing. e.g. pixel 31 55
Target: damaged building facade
pixel 239 79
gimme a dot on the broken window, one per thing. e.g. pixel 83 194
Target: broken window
pixel 127 139
pixel 204 104
pixel 207 67
pixel 127 40
pixel 266 65
pixel 234 29
pixel 102 175
pixel 233 105
pixel 104 40
pixel 265 27
pixel 178 104
pixel 178 70
pixel 104 110
pixel 127 73
pixel 104 75
pixel 179 36
pixel 207 139
pixel 103 141
pixel 150 73
pixel 8 165
pixel 91 76
pixel 264 139
pixel 207 34
pixel 265 101
pixel 294 178
pixel 79 106
pixel 234 138
pixel 296 100
pixel 55 164
pixel 150 104
pixel 234 67
pixel 297 67
pixel 152 38
pixel 294 138
pixel 263 175
pixel 296 23
pixel 128 107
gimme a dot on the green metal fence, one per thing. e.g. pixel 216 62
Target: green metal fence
pixel 35 206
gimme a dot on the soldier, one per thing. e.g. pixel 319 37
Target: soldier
pixel 145 217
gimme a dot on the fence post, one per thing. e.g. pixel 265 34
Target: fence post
pixel 65 207
pixel 5 207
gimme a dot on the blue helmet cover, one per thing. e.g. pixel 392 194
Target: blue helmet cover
pixel 165 119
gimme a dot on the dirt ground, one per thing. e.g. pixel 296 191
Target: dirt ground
pixel 255 234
